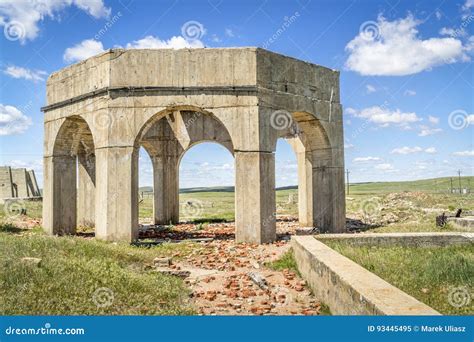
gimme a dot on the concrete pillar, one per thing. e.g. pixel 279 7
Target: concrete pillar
pixel 305 189
pixel 86 190
pixel 328 193
pixel 255 197
pixel 59 203
pixel 116 195
pixel 165 189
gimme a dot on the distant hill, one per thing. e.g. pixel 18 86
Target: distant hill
pixel 434 184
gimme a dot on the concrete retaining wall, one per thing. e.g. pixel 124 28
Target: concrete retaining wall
pixel 402 239
pixel 348 288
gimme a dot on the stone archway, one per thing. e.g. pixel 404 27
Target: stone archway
pixel 166 138
pixel 70 195
pixel 126 92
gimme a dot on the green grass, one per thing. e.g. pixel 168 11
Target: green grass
pixel 286 261
pixel 426 273
pixel 72 269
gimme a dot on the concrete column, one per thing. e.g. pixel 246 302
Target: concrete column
pixel 165 189
pixel 116 216
pixel 255 197
pixel 59 200
pixel 86 190
pixel 305 189
pixel 328 193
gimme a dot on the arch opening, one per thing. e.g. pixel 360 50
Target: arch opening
pixel 207 182
pixel 73 169
pixel 167 137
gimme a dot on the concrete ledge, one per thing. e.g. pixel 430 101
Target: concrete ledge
pixel 462 223
pixel 402 239
pixel 348 288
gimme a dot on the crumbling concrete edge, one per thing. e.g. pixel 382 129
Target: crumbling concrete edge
pixel 348 288
pixel 423 239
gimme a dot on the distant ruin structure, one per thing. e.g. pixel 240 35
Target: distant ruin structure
pixel 100 111
pixel 18 183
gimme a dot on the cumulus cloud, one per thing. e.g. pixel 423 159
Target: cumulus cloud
pixel 27 74
pixel 433 120
pixel 85 49
pixel 229 32
pixel 12 120
pixel 348 145
pixel 384 167
pixel 394 48
pixel 464 153
pixel 409 92
pixel 426 131
pixel 21 18
pixel 411 150
pixel 365 159
pixel 385 117
pixel 370 88
pixel 176 42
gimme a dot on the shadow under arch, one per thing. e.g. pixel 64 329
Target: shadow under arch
pixel 73 174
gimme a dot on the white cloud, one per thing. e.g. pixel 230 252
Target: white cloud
pixel 370 88
pixel 409 92
pixel 433 120
pixel 411 150
pixel 396 49
pixel 365 159
pixel 215 38
pixel 85 49
pixel 385 117
pixel 12 120
pixel 176 42
pixel 452 32
pixel 384 167
pixel 464 153
pixel 229 33
pixel 438 14
pixel 27 74
pixel 466 9
pixel 426 131
pixel 21 18
pixel 348 145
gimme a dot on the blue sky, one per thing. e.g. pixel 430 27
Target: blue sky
pixel 406 73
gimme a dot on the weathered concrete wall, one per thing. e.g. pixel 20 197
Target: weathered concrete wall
pixel 402 239
pixel 348 288
pixel 18 183
pixel 6 183
pixel 121 95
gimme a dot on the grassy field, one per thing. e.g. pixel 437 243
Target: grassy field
pixel 78 276
pixel 73 270
pixel 429 274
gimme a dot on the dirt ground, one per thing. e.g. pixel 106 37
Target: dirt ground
pixel 220 272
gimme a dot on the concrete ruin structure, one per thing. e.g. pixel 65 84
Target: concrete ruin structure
pixel 100 111
pixel 18 183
